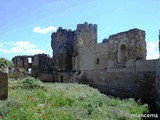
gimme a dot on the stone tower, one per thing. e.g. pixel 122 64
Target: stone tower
pixel 86 34
pixel 66 43
pixel 62 44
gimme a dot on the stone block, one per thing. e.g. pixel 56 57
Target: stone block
pixel 3 85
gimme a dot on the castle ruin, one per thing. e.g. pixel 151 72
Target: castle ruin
pixel 117 66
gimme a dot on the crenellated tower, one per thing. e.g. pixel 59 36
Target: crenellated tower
pixel 65 44
pixel 86 34
pixel 62 45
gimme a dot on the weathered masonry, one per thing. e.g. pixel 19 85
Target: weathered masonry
pixel 158 84
pixel 158 78
pixel 3 82
pixel 23 62
pixel 39 66
pixel 117 66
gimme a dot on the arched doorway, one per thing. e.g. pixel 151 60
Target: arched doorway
pixel 122 54
pixel 97 62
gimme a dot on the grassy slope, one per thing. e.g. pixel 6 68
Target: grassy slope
pixel 4 61
pixel 33 100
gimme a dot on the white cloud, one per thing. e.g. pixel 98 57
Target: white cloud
pixel 20 47
pixel 3 50
pixel 152 50
pixel 27 48
pixel 40 30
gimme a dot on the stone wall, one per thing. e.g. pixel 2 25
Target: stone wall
pixel 158 83
pixel 3 83
pixel 23 62
pixel 45 77
pixel 65 77
pixel 101 56
pixel 122 84
pixel 38 65
pixel 93 57
pixel 121 50
pixel 86 57
pixel 42 64
pixel 62 43
pixel 125 48
pixel 146 65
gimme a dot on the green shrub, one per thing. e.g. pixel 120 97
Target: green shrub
pixel 31 83
pixel 66 102
pixel 4 61
pixel 7 105
pixel 26 83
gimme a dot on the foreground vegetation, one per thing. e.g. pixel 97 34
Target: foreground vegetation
pixel 29 99
pixel 5 62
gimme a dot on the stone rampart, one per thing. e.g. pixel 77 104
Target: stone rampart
pixel 146 65
pixel 122 84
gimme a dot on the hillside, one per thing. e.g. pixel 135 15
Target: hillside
pixel 30 99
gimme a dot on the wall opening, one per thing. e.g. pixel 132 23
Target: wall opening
pixel 122 54
pixel 29 60
pixel 29 71
pixel 97 62
pixel 61 78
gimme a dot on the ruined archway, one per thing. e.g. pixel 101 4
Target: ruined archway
pixel 122 54
pixel 97 62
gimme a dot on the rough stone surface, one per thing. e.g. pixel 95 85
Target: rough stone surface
pixel 146 65
pixel 66 44
pixel 122 84
pixel 3 83
pixel 62 45
pixel 41 64
pixel 111 53
pixel 23 61
pixel 157 86
pixel 46 77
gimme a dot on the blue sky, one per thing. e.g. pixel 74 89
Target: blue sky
pixel 26 26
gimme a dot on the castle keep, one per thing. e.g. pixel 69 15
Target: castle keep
pixel 79 50
pixel 117 66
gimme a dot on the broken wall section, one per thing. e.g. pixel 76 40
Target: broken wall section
pixel 3 82
pixel 42 67
pixel 39 66
pixel 120 50
pixel 125 48
pixel 22 66
pixel 62 43
pixel 23 62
